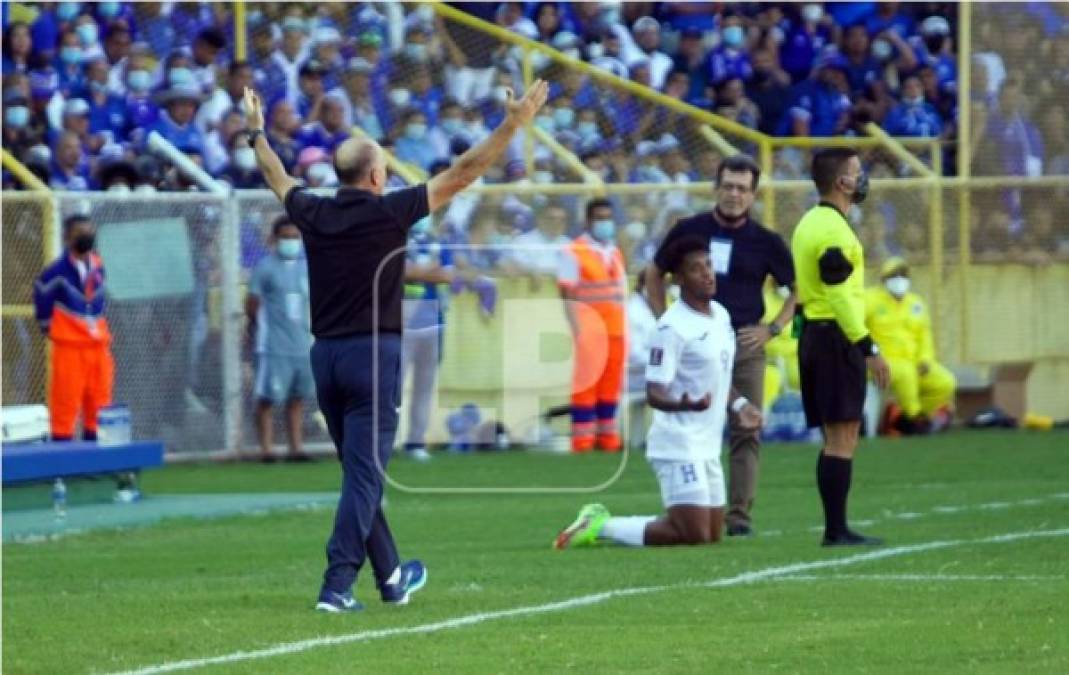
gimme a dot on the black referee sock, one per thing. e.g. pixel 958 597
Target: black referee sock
pixel 833 481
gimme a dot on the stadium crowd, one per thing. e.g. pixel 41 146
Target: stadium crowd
pixel 84 83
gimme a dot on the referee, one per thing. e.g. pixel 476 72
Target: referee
pixel 835 347
pixel 743 253
pixel 355 244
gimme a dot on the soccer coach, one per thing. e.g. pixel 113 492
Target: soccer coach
pixel 835 347
pixel 743 253
pixel 354 243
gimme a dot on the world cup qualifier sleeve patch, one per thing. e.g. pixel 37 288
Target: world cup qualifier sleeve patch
pixel 656 356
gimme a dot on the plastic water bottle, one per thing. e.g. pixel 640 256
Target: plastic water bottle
pixel 59 498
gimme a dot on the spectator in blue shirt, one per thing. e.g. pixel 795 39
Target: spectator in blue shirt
pixel 690 59
pixel 141 111
pixel 412 144
pixel 890 17
pixel 425 96
pixel 326 48
pixel 69 170
pixel 330 129
pixel 1020 145
pixel 69 64
pixel 913 116
pixel 310 90
pixel 769 89
pixel 811 32
pixel 821 105
pixel 18 47
pixel 730 60
pixel 283 123
pixel 933 48
pixel 175 123
pixel 107 111
pixel 155 28
pixel 862 70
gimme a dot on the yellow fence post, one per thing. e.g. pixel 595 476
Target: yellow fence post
pixel 767 166
pixel 240 34
pixel 935 231
pixel 964 169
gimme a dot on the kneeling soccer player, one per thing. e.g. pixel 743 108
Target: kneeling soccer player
pixel 688 384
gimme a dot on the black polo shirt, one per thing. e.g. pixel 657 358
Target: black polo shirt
pixel 742 257
pixel 355 242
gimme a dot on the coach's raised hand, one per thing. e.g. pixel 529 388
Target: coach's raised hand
pixel 474 163
pixel 254 111
pixel 523 111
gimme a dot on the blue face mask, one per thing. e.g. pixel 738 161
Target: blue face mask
pixel 180 75
pixel 603 230
pixel 88 33
pixel 416 131
pixel 545 123
pixel 17 116
pixel 587 129
pixel 734 36
pixel 70 55
pixel 66 11
pixel 109 10
pixel 289 249
pixel 98 87
pixel 139 80
pixel 452 126
pixel 563 117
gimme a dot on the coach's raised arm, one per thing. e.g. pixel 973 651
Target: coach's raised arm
pixel 354 159
pixel 354 242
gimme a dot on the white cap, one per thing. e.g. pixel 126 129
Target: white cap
pixel 76 106
pixel 326 35
pixel 646 23
pixel 935 25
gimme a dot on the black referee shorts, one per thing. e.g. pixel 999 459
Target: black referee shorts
pixel 832 373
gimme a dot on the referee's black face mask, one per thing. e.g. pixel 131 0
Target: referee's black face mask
pixel 861 188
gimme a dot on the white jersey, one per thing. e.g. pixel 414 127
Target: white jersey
pixel 692 353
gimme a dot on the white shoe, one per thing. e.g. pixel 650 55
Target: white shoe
pixel 419 454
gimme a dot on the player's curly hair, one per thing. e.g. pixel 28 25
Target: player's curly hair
pixel 678 251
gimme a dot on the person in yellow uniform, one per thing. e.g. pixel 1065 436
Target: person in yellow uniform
pixel 781 352
pixel 835 347
pixel 899 322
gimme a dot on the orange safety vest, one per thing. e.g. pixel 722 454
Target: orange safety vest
pixel 601 284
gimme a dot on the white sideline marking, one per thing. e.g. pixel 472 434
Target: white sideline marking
pixel 581 601
pixel 914 577
pixel 913 515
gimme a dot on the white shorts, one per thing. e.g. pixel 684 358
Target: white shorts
pixel 685 483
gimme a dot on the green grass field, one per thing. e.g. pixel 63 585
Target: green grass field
pixel 947 593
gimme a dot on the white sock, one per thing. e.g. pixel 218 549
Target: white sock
pixel 626 530
pixel 395 577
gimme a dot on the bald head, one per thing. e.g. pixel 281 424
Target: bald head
pixel 360 162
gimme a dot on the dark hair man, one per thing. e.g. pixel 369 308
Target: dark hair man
pixel 743 254
pixel 835 346
pixel 355 243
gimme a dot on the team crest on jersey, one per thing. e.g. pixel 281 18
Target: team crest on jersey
pixel 656 356
pixel 917 309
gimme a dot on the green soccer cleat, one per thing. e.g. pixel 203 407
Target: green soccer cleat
pixel 585 529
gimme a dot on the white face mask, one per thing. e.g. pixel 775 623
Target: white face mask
pixel 245 159
pixel 119 189
pixel 897 286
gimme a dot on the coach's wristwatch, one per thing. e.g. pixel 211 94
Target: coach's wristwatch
pixel 252 135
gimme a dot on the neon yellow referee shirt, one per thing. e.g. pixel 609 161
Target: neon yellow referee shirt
pixel 830 266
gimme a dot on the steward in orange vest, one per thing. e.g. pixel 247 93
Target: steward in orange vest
pixel 68 301
pixel 593 284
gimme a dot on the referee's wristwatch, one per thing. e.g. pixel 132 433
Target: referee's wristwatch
pixel 868 347
pixel 774 329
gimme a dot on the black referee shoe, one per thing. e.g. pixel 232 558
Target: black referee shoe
pixel 851 538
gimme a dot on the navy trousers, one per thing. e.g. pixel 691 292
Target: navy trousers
pixel 358 384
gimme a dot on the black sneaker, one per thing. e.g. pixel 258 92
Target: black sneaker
pixel 851 538
pixel 740 530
